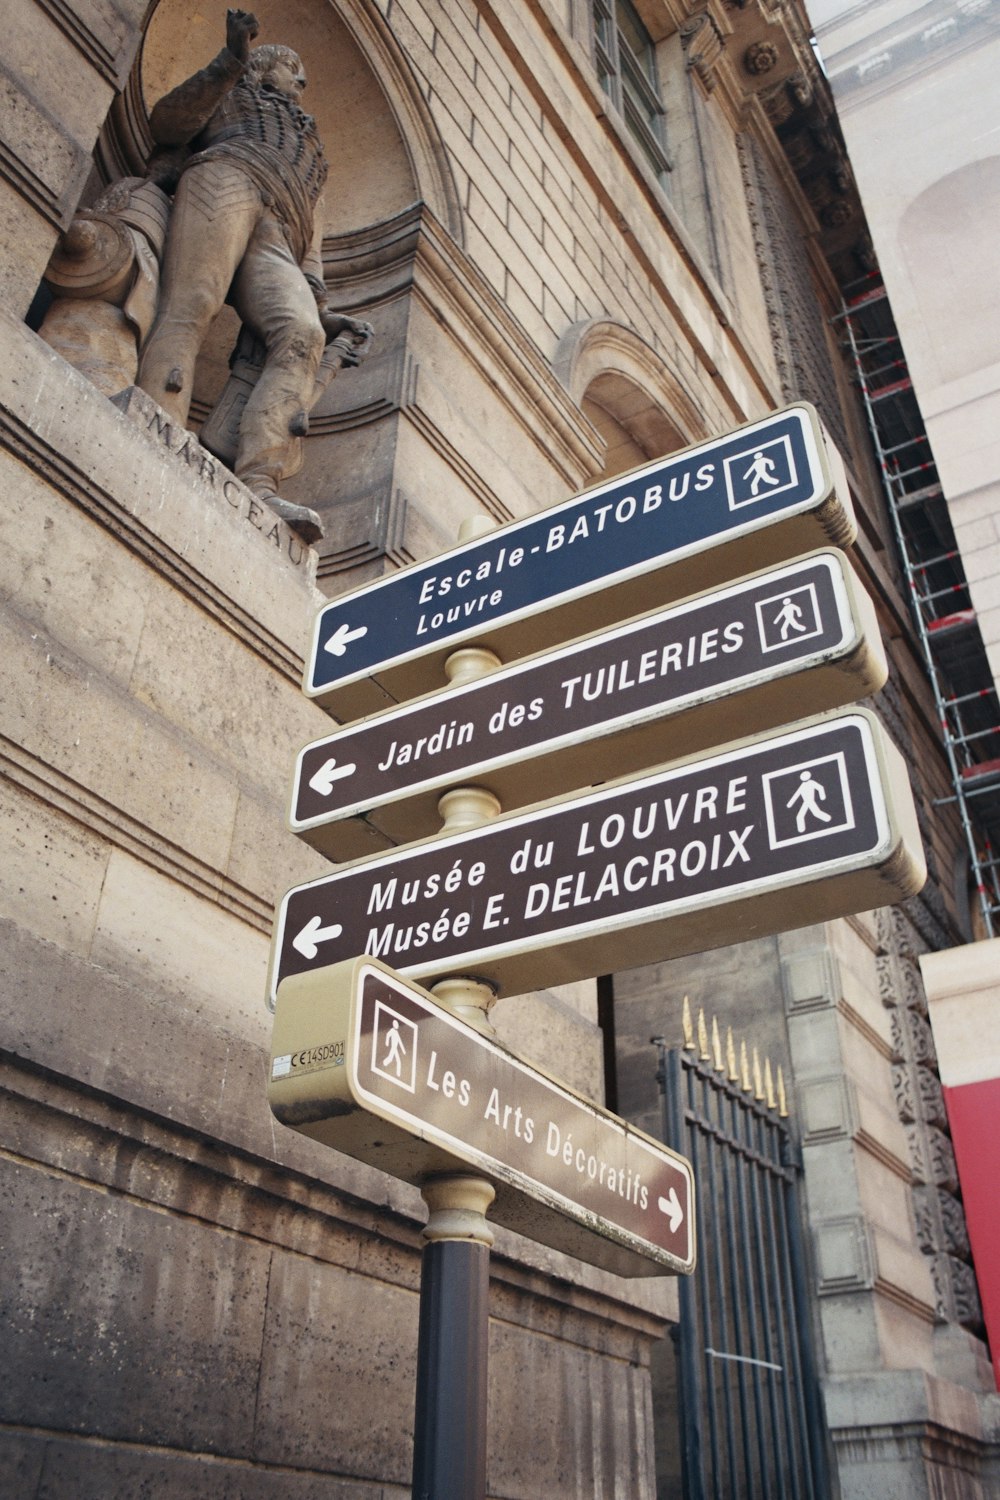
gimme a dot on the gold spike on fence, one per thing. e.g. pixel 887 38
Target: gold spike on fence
pixel 717 1062
pixel 760 1078
pixel 758 1081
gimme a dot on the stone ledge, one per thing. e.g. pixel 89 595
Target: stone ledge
pixel 94 1469
pixel 159 493
pixel 891 1398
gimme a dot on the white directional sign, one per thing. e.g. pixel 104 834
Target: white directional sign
pixel 371 1065
pixel 765 835
pixel 790 641
pixel 701 517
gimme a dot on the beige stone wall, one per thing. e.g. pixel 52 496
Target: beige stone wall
pixel 194 1278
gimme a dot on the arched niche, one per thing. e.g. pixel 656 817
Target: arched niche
pixel 627 392
pixel 384 150
pixel 382 154
pixel 947 238
pixel 390 184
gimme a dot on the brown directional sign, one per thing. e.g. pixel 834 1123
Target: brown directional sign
pixel 790 641
pixel 765 835
pixel 371 1065
pixel 758 495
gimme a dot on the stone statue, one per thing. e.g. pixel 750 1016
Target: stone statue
pixel 244 229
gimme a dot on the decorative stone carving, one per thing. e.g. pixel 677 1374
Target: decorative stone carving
pixel 903 1092
pixel 244 229
pixel 956 1230
pixel 104 275
pixel 968 1308
pixel 912 1037
pixel 797 327
pixel 933 1158
pixel 760 58
pixel 783 100
pixel 938 1213
pixel 840 211
pixel 703 45
pixel 925 1212
pixel 931 1094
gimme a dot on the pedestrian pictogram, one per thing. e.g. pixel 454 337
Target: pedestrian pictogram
pixel 760 472
pixel 394 1047
pixel 809 801
pixel 809 794
pixel 790 617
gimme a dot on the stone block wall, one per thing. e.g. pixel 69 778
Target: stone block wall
pixel 201 1301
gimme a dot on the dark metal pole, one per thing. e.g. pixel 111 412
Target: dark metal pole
pixel 449 1430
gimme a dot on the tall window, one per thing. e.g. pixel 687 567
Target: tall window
pixel 626 67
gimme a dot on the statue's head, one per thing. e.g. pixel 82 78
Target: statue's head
pixel 278 66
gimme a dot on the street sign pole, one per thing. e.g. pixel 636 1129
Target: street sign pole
pixel 771 831
pixel 449 1430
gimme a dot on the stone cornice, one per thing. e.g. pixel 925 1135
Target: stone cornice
pixel 891 55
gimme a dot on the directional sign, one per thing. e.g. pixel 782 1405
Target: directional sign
pixel 759 495
pixel 374 1067
pixel 766 835
pixel 790 641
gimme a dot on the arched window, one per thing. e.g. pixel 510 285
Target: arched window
pixel 628 393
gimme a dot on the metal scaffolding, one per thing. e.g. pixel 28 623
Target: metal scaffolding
pixel 945 619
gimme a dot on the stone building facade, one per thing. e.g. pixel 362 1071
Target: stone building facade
pixel 564 282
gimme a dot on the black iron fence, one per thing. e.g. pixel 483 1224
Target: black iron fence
pixel 751 1421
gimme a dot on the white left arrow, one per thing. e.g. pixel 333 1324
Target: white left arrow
pixel 313 933
pixel 342 638
pixel 671 1206
pixel 328 773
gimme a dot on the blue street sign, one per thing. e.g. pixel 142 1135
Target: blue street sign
pixel 759 495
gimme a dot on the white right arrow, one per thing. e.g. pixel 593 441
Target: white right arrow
pixel 313 933
pixel 342 637
pixel 671 1206
pixel 328 773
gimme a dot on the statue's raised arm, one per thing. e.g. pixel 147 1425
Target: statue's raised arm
pixel 180 115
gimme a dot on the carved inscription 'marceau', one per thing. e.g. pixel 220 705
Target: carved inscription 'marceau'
pixel 183 445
